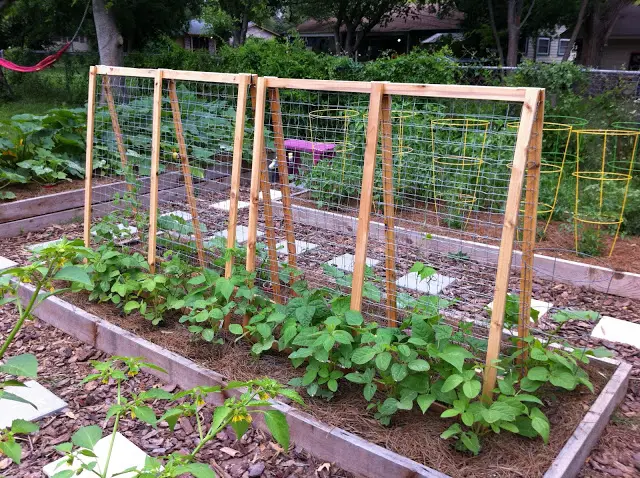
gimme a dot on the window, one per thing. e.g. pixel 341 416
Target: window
pixel 634 61
pixel 563 44
pixel 543 46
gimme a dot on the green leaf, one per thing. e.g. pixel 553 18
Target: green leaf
pixel 538 354
pixel 452 412
pixel 451 431
pixel 471 442
pixel 277 423
pixel 24 365
pixel 523 397
pixel 540 423
pixel 563 379
pixel 399 372
pixel 131 306
pixel 23 426
pixel 419 365
pixel 369 391
pixel 264 330
pixel 208 334
pixel 87 437
pixel 224 287
pixel 472 388
pixel 451 382
pixel 383 360
pixel 455 355
pixel 353 317
pixel 12 450
pixel 73 274
pixel 425 401
pixel 538 374
pixel 356 377
pixel 529 385
pixel 236 329
pixel 363 355
pixel 198 470
pixel 498 411
pixel 220 414
pixel 332 385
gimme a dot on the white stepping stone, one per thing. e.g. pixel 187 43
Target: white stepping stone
pixel 127 231
pixel 346 262
pixel 46 404
pixel 8 263
pixel 433 285
pixel 181 214
pixel 125 455
pixel 226 205
pixel 35 247
pixel 540 305
pixel 242 234
pixel 274 194
pixel 616 330
pixel 301 247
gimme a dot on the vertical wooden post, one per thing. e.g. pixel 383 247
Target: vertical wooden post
pixel 260 179
pixel 530 225
pixel 529 108
pixel 236 168
pixel 389 211
pixel 186 170
pixel 115 124
pixel 88 173
pixel 155 166
pixel 283 173
pixel 362 236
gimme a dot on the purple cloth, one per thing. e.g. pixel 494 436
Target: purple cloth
pixel 319 150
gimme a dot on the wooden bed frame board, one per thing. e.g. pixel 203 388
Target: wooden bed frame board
pixel 332 444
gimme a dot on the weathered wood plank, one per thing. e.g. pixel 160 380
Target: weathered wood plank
pixel 50 203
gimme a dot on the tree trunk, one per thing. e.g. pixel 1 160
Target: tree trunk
pixel 576 30
pixel 514 8
pixel 337 40
pixel 494 30
pixel 110 40
pixel 244 27
pixel 349 41
pixel 597 29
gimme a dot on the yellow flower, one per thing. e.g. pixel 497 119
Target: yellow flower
pixel 133 414
pixel 105 381
pixel 132 373
pixel 51 289
pixel 199 401
pixel 242 418
pixel 264 396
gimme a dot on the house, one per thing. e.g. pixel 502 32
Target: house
pixel 622 51
pixel 400 34
pixel 197 36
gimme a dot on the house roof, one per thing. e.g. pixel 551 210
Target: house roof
pixel 628 23
pixel 423 19
pixel 200 28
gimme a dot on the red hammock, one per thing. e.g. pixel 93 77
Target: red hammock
pixel 45 63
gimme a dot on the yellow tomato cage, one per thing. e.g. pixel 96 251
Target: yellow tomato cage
pixel 609 154
pixel 457 146
pixel 332 125
pixel 555 144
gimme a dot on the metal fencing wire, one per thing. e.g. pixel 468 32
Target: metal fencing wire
pixel 441 181
pixel 122 157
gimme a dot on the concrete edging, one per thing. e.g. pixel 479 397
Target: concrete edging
pixel 345 449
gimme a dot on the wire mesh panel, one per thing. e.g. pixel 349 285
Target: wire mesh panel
pixel 179 150
pixel 440 181
pixel 122 156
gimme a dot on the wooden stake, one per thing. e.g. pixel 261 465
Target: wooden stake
pixel 88 173
pixel 362 236
pixel 389 211
pixel 529 109
pixel 155 166
pixel 115 124
pixel 283 173
pixel 530 225
pixel 260 179
pixel 186 170
pixel 236 169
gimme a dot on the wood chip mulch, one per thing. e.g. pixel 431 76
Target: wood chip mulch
pixel 64 362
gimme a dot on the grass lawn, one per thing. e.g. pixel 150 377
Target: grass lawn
pixel 22 105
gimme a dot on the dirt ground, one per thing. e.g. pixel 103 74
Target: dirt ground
pixel 64 362
pixel 617 452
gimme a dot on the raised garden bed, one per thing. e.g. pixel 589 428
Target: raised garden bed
pixel 351 452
